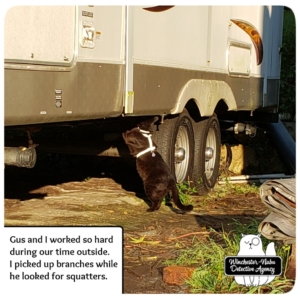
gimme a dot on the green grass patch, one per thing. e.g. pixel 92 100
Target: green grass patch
pixel 228 189
pixel 208 258
pixel 186 191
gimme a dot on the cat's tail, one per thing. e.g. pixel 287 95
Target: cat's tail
pixel 176 199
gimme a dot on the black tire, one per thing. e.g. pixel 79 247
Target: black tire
pixel 206 164
pixel 173 133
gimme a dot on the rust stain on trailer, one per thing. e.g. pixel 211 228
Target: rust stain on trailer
pixel 255 37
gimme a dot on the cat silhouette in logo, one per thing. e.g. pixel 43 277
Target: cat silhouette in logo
pixel 251 245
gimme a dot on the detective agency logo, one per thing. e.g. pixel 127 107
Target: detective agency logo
pixel 252 266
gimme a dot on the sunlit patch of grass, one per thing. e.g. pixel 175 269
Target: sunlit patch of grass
pixel 208 256
pixel 220 191
pixel 185 190
pixel 228 189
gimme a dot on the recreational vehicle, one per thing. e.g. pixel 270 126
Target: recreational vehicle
pixel 113 66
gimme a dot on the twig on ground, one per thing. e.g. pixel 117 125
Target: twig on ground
pixel 188 234
pixel 132 246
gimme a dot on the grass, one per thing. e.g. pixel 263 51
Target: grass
pixel 186 191
pixel 220 191
pixel 229 188
pixel 210 255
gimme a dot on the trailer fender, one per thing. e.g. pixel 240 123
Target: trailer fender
pixel 207 94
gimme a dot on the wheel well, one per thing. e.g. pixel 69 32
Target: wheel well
pixel 194 112
pixel 221 108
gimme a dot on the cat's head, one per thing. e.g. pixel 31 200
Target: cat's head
pixel 251 244
pixel 136 139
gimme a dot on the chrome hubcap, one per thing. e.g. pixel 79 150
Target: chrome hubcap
pixel 181 155
pixel 210 153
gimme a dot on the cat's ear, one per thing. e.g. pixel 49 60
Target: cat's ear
pixel 243 235
pixel 258 235
pixel 154 119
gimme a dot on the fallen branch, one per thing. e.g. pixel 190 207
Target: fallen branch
pixel 188 234
pixel 135 246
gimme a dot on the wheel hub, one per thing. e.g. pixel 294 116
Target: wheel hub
pixel 179 155
pixel 209 153
pixel 182 151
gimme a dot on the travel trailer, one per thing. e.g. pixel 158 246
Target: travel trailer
pixel 113 66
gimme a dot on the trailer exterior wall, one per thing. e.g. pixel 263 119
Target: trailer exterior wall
pixel 137 62
pixel 201 44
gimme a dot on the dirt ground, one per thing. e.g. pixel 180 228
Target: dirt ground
pixel 85 191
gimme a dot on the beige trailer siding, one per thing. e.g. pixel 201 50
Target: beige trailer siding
pixel 65 63
pixel 40 35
